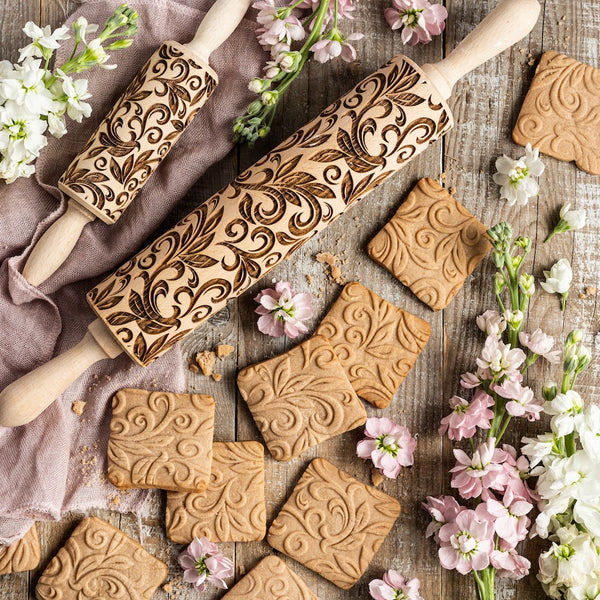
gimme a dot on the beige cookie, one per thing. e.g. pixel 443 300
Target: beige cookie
pixel 376 342
pixel 301 398
pixel 432 244
pixel 100 561
pixel 333 524
pixel 23 555
pixel 232 509
pixel 161 440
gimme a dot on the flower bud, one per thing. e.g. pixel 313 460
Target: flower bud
pixel 549 391
pixel 584 356
pixel 289 61
pixel 574 337
pixel 263 132
pixel 499 283
pixel 523 242
pixel 571 360
pixel 120 44
pixel 270 98
pixel 254 107
pixel 257 85
pixel 514 318
pixel 527 284
pixel 498 258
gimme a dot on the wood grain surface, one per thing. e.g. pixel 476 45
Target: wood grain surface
pixel 485 105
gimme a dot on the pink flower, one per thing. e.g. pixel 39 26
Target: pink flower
pixel 202 562
pixel 282 310
pixel 395 586
pixel 332 47
pixel 442 510
pixel 464 419
pixel 516 471
pixel 388 445
pixel 470 381
pixel 511 522
pixel 491 322
pixel 541 344
pixel 345 9
pixel 277 24
pixel 521 400
pixel 466 544
pixel 419 18
pixel 509 563
pixel 501 359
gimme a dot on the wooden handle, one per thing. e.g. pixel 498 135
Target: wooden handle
pixel 508 23
pixel 218 24
pixel 23 400
pixel 53 248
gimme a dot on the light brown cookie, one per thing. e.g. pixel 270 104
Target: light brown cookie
pixel 271 579
pixel 432 244
pixel 232 509
pixel 561 112
pixel 333 524
pixel 100 561
pixel 301 398
pixel 161 440
pixel 376 342
pixel 23 555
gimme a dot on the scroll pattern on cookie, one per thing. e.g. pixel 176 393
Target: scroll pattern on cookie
pixel 100 561
pixel 232 509
pixel 561 112
pixel 431 244
pixel 301 398
pixel 23 555
pixel 238 235
pixel 376 342
pixel 333 524
pixel 139 131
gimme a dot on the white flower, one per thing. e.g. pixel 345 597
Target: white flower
pixel 516 176
pixel 81 27
pixel 491 322
pixel 514 318
pixel 539 449
pixel 96 53
pixel 28 88
pixel 587 425
pixel 575 219
pixel 565 407
pixel 56 124
pixel 21 132
pixel 76 92
pixel 11 170
pixel 558 278
pixel 42 39
pixel 588 515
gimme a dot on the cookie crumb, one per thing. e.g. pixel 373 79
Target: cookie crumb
pixel 115 500
pixel 330 260
pixel 217 376
pixel 206 361
pixel 376 477
pixel 591 291
pixel 224 350
pixel 452 191
pixel 78 406
pixel 168 587
pixel 443 178
pixel 194 368
pixel 309 279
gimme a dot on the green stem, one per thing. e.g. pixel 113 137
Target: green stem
pixel 563 301
pixel 570 443
pixel 503 429
pixel 502 309
pixel 335 16
pixel 572 383
pixel 564 384
pixel 550 236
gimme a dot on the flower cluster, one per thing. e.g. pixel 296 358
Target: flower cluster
pixel 516 177
pixel 312 22
pixel 203 563
pixel 394 586
pixel 34 100
pixel 419 20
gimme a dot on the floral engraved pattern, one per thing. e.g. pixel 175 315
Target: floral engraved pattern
pixel 100 561
pixel 139 131
pixel 232 509
pixel 376 342
pixel 561 112
pixel 333 524
pixel 431 244
pixel 301 398
pixel 238 235
pixel 23 555
pixel 271 579
pixel 161 440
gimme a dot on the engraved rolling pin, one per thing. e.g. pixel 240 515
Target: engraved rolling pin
pixel 137 134
pixel 239 234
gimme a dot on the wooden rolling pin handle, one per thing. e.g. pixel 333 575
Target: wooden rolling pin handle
pixel 56 244
pixel 508 23
pixel 23 400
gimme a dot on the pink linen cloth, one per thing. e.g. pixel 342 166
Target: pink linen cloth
pixel 57 463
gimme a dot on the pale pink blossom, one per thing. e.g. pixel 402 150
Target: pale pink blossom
pixel 275 26
pixel 283 311
pixel 511 522
pixel 388 445
pixel 442 510
pixel 522 402
pixel 419 19
pixel 469 381
pixel 541 344
pixel 509 563
pixel 501 359
pixel 348 50
pixel 395 586
pixel 203 563
pixel 345 9
pixel 516 471
pixel 491 322
pixel 464 419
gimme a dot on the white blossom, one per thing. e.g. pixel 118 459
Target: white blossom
pixel 565 407
pixel 587 425
pixel 575 219
pixel 76 92
pixel 81 27
pixel 43 38
pixel 516 177
pixel 21 132
pixel 28 88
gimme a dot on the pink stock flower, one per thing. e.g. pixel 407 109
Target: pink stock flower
pixel 442 510
pixel 329 48
pixel 345 9
pixel 395 587
pixel 419 18
pixel 516 471
pixel 491 322
pixel 282 310
pixel 509 563
pixel 388 445
pixel 541 344
pixel 511 522
pixel 521 400
pixel 467 542
pixel 202 562
pixel 501 359
pixel 464 419
pixel 470 381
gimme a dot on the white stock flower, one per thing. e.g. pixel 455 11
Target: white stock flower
pixel 11 170
pixel 564 407
pixel 516 176
pixel 56 124
pixel 21 132
pixel 588 515
pixel 76 92
pixel 98 54
pixel 540 449
pixel 587 425
pixel 42 38
pixel 81 27
pixel 558 278
pixel 575 219
pixel 28 88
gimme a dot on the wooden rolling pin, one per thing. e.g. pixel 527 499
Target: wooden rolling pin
pixel 238 235
pixel 137 134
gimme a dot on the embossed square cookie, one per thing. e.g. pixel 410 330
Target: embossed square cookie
pixel 161 440
pixel 376 342
pixel 561 112
pixel 232 509
pixel 432 244
pixel 271 579
pixel 23 555
pixel 301 398
pixel 333 524
pixel 100 561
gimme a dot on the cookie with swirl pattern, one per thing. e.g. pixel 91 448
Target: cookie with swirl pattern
pixel 376 342
pixel 301 398
pixel 333 524
pixel 22 555
pixel 432 244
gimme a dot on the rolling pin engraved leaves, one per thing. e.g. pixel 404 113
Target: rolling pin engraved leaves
pixel 241 233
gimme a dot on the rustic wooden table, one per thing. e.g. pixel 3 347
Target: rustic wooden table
pixel 485 105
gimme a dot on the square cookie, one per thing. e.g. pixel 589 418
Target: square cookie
pixel 23 555
pixel 300 398
pixel 376 342
pixel 271 579
pixel 560 112
pixel 160 440
pixel 432 244
pixel 100 561
pixel 333 524
pixel 232 509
